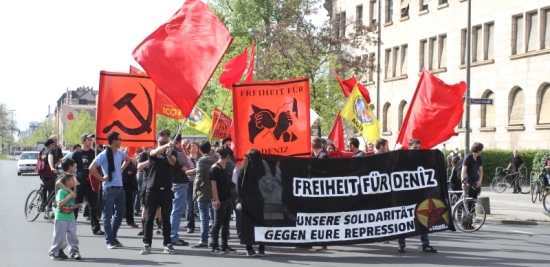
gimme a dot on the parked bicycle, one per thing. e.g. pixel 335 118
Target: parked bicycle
pixel 538 188
pixel 467 215
pixel 34 205
pixel 505 179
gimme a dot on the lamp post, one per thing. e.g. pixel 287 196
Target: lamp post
pixel 468 58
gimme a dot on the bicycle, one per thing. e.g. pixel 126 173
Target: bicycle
pixel 502 178
pixel 34 205
pixel 538 190
pixel 468 216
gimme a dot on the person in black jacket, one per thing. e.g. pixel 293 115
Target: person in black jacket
pixel 129 182
pixel 454 180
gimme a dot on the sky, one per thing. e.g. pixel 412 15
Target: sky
pixel 48 47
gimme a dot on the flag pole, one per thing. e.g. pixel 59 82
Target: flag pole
pixel 216 123
pixel 180 128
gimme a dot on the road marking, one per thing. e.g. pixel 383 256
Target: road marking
pixel 521 232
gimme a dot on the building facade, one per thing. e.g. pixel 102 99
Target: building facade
pixel 70 104
pixel 510 63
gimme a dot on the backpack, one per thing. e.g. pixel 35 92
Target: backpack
pixel 94 183
pixel 42 168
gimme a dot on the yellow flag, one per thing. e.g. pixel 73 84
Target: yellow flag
pixel 199 121
pixel 357 111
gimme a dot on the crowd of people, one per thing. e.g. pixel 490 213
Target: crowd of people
pixel 162 184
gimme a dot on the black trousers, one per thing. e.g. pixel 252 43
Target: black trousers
pixel 222 216
pixel 155 198
pixel 49 186
pixel 129 214
pixel 84 189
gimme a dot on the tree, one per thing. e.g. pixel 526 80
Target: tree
pixel 80 124
pixel 7 124
pixel 41 134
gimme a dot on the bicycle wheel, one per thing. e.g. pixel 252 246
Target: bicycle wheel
pixel 468 216
pixel 499 184
pixel 32 205
pixel 50 209
pixel 524 185
pixel 546 201
pixel 535 192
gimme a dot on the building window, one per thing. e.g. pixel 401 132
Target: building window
pixel 461 124
pixel 387 61
pixel 404 59
pixel 544 106
pixel 442 51
pixel 517 35
pixel 423 60
pixel 372 20
pixel 395 55
pixel 403 108
pixel 516 107
pixel 488 111
pixel 386 125
pixel 423 6
pixel 358 17
pixel 545 31
pixel 431 54
pixel 489 44
pixel 370 69
pixel 477 44
pixel 405 8
pixel 463 35
pixel 532 21
pixel 441 2
pixel 389 10
pixel 343 21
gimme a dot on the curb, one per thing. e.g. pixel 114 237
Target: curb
pixel 516 222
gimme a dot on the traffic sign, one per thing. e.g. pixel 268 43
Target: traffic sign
pixel 481 101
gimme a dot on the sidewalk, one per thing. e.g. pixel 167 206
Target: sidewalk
pixel 510 208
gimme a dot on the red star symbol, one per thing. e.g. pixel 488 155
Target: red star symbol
pixel 433 213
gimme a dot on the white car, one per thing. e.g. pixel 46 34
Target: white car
pixel 26 162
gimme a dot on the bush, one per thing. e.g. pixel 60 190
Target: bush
pixel 540 157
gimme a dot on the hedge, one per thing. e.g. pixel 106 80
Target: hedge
pixel 493 158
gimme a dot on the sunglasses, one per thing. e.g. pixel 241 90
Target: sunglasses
pixel 164 135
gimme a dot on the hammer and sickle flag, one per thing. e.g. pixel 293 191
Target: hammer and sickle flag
pixel 273 117
pixel 357 111
pixel 126 104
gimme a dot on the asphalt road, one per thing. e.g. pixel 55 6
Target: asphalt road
pixel 26 243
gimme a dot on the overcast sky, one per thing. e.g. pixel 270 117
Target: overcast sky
pixel 49 46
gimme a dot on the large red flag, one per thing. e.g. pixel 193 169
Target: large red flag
pixel 234 70
pixel 349 84
pixel 250 70
pixel 337 134
pixel 163 105
pixel 181 55
pixel 434 112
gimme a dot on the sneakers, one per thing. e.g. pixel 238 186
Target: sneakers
pixel 111 246
pixel 401 249
pixel 99 232
pixel 429 249
pixel 159 231
pixel 200 245
pixel 54 257
pixel 145 250
pixel 261 252
pixel 228 249
pixel 181 242
pixel 140 232
pixel 133 225
pixel 216 250
pixel 190 231
pixel 251 253
pixel 169 249
pixel 118 244
pixel 76 255
pixel 62 255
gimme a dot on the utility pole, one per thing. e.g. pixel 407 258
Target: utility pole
pixel 378 58
pixel 468 65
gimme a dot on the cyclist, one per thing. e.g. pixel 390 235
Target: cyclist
pixel 472 171
pixel 516 164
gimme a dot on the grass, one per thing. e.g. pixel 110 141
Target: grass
pixel 5 157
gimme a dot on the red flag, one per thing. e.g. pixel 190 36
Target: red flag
pixel 349 84
pixel 250 70
pixel 234 70
pixel 125 104
pixel 434 112
pixel 337 134
pixel 181 55
pixel 221 125
pixel 164 106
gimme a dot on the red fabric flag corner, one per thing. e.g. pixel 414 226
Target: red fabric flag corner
pixel 250 70
pixel 234 69
pixel 434 112
pixel 182 54
pixel 348 85
pixel 337 134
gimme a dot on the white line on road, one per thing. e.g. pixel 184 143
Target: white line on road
pixel 521 232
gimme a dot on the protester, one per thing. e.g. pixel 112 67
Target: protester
pixel 353 145
pixel 159 191
pixel 129 182
pixel 192 157
pixel 516 164
pixel 254 166
pixel 47 173
pixel 455 183
pixel 202 190
pixel 369 148
pixel 414 144
pixel 114 199
pixel 318 152
pixel 472 171
pixel 454 154
pixel 331 148
pixel 230 168
pixel 220 182
pixel 180 182
pixel 139 176
pixel 382 146
pixel 65 224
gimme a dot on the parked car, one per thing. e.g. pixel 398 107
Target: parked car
pixel 26 162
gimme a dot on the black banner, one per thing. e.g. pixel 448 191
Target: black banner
pixel 296 201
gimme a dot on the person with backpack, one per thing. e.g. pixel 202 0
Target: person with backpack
pixel 47 167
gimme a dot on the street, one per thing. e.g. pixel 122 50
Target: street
pixel 26 243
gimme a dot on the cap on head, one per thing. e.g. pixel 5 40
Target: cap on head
pixel 49 142
pixel 164 132
pixel 86 136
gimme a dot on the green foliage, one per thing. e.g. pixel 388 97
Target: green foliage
pixel 7 124
pixel 41 134
pixel 540 158
pixel 173 125
pixel 82 123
